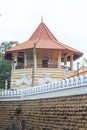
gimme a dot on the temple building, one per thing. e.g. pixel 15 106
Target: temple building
pixel 41 53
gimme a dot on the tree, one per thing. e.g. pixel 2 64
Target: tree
pixel 5 65
pixel 6 45
pixel 85 61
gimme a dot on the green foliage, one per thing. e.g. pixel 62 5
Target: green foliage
pixel 6 45
pixel 85 60
pixel 17 109
pixel 5 73
pixel 5 65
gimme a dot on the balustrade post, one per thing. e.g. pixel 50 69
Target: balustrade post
pixel 6 85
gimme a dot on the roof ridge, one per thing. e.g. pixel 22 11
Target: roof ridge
pixel 66 46
pixel 47 30
pixel 39 31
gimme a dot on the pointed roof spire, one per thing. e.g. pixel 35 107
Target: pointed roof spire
pixel 42 19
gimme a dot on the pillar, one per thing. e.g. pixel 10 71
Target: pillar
pixel 71 62
pixel 34 63
pixel 25 60
pixel 59 60
pixel 35 56
pixel 65 60
pixel 15 60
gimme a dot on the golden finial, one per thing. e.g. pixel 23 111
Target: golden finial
pixel 41 19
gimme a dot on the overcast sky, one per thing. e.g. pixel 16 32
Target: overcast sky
pixel 66 19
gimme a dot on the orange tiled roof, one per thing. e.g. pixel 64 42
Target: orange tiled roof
pixel 77 74
pixel 81 71
pixel 44 39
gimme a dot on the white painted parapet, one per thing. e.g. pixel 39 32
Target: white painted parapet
pixel 67 87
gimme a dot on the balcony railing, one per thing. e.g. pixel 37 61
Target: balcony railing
pixel 38 66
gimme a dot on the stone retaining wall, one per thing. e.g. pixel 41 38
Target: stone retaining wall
pixel 61 113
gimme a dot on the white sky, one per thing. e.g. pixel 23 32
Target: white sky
pixel 67 20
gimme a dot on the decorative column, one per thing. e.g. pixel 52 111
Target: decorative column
pixel 34 61
pixel 35 56
pixel 15 60
pixel 65 60
pixel 59 60
pixel 71 62
pixel 25 60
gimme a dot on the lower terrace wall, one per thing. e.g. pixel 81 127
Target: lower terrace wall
pixel 60 105
pixel 61 113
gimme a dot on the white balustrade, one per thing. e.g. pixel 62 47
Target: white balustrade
pixel 85 79
pixel 80 79
pixel 71 82
pixel 66 84
pixel 75 80
pixel 47 87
